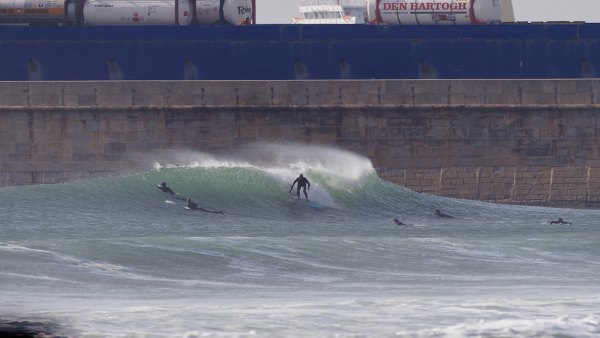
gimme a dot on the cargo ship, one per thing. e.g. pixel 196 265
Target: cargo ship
pixel 220 40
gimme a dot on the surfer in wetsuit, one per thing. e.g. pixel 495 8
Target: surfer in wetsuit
pixel 191 204
pixel 560 221
pixel 303 183
pixel 163 187
pixel 397 222
pixel 442 215
pixel 194 206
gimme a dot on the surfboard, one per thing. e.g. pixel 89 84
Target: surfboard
pixel 205 210
pixel 313 205
pixel 304 202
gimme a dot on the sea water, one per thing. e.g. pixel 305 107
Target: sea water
pixel 117 257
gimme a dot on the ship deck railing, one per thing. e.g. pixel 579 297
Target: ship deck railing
pixel 343 3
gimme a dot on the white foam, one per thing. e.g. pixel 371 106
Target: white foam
pixel 193 159
pixel 302 158
pixel 288 157
pixel 316 315
pixel 563 326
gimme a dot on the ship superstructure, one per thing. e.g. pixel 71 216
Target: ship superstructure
pixel 332 12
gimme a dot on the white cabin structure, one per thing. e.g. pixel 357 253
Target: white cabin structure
pixel 332 12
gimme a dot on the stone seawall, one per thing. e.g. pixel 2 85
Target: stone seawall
pixel 513 141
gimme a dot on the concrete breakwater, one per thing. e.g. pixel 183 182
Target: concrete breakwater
pixel 514 141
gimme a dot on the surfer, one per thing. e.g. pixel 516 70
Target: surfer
pixel 163 187
pixel 442 215
pixel 303 183
pixel 191 204
pixel 560 221
pixel 194 206
pixel 397 222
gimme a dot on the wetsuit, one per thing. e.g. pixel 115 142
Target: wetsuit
pixel 302 184
pixel 194 206
pixel 397 222
pixel 165 189
pixel 442 215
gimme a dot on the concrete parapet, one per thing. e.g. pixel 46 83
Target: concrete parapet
pixel 300 93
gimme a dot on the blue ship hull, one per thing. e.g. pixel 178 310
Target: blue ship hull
pixel 284 52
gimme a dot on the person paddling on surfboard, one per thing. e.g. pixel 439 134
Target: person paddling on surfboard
pixel 163 187
pixel 442 215
pixel 560 221
pixel 397 222
pixel 303 183
pixel 191 205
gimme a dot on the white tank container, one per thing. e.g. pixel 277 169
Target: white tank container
pixel 32 11
pixel 372 11
pixel 485 12
pixel 138 12
pixel 208 12
pixel 438 12
pixel 236 11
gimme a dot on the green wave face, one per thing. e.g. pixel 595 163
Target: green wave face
pixel 250 185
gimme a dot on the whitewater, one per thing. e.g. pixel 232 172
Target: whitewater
pixel 117 257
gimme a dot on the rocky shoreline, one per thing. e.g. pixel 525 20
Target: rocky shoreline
pixel 28 329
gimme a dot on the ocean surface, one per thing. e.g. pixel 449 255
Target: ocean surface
pixel 117 257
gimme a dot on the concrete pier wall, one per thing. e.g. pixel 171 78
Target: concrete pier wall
pixel 513 141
